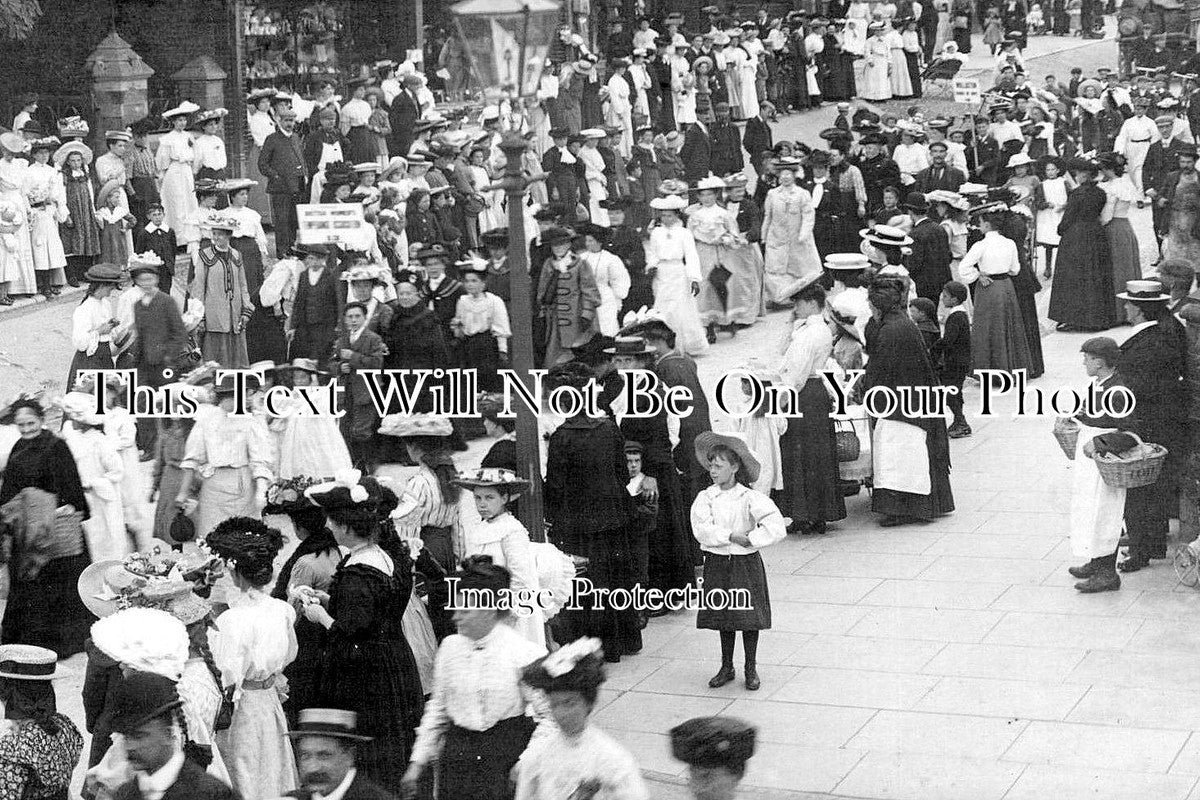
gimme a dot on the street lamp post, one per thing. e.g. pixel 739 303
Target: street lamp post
pixel 507 42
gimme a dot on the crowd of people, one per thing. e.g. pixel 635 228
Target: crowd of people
pixel 665 212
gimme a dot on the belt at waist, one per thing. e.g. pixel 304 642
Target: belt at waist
pixel 510 726
pixel 42 204
pixel 266 683
pixel 1138 141
pixel 1003 276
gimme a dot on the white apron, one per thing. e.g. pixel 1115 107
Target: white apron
pixel 901 458
pixel 329 154
pixel 1097 509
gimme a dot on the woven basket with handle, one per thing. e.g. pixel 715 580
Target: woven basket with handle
pixel 1133 473
pixel 1066 433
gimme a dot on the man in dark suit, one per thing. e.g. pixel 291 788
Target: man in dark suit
pixel 939 174
pixel 282 163
pixel 403 115
pixel 357 347
pixel 325 757
pixel 758 138
pixel 928 27
pixel 696 153
pixel 929 263
pixel 316 310
pixel 147 706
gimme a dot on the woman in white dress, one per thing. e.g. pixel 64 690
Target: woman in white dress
pixel 254 640
pixel 17 261
pixel 47 196
pixel 876 83
pixel 308 444
pixel 1051 200
pixel 593 170
pixel 855 36
pixel 672 260
pixel 612 279
pixel 945 29
pixel 1123 245
pixel 101 473
pixel 735 58
pixel 174 159
pixel 901 81
pixel 210 159
pixel 683 89
pixel 787 234
pixel 493 215
pixel 715 232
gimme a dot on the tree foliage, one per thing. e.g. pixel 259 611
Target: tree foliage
pixel 17 17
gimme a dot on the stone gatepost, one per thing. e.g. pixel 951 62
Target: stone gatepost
pixel 119 78
pixel 202 81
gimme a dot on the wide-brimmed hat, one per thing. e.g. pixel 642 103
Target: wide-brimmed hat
pixel 706 441
pixel 669 203
pixel 144 262
pixel 141 697
pixel 183 109
pixel 261 94
pixel 1020 160
pixel 368 272
pixel 497 237
pixel 557 235
pixel 60 155
pixel 886 236
pixel 712 182
pixel 118 136
pixel 1144 292
pixel 846 261
pixel 107 189
pixel 73 126
pixel 432 251
pixel 394 163
pixel 952 199
pixel 237 184
pixel 14 142
pixel 27 662
pixel 492 477
pixel 218 221
pixel 308 365
pixel 629 346
pixel 401 425
pixel 50 143
pixel 103 273
pixel 799 285
pixel 334 723
pixel 143 639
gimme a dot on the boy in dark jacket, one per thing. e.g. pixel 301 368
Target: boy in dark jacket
pixel 952 354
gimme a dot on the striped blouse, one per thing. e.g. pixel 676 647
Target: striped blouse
pixel 422 505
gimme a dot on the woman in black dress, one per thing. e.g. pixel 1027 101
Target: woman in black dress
pixel 670 563
pixel 1082 295
pixel 367 666
pixel 1014 225
pixel 590 512
pixel 45 610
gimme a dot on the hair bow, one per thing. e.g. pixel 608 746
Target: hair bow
pixel 564 659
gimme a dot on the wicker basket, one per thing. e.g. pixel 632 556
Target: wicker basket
pixel 1132 473
pixel 849 471
pixel 1066 433
pixel 846 441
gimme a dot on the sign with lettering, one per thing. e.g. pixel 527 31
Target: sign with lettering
pixel 966 90
pixel 329 223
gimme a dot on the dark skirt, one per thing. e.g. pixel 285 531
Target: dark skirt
pixel 612 564
pixel 998 331
pixel 265 340
pixel 476 764
pixel 1125 254
pixel 811 489
pixel 362 145
pixel 47 611
pixel 724 575
pixel 101 359
pixel 481 353
pixel 1033 332
pixel 670 564
pixel 252 264
pixel 914 71
pixel 145 193
pixel 432 568
pixel 314 341
pixel 1083 292
pixel 303 674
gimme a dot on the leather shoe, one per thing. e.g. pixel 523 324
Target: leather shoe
pixel 1086 571
pixel 1135 562
pixel 1100 582
pixel 726 675
pixel 752 681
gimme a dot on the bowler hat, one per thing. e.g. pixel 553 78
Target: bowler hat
pixel 141 697
pixel 334 723
pixel 915 201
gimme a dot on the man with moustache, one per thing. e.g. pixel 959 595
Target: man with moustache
pixel 325 741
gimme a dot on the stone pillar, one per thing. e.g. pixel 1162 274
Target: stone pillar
pixel 119 78
pixel 202 81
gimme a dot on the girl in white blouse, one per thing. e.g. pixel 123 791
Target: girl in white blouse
pixel 174 158
pixel 210 158
pixel 92 324
pixel 732 522
pixel 481 326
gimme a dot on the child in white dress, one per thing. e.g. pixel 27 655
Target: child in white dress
pixel 500 535
pixel 578 759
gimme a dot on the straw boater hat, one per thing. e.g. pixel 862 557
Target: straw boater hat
pixel 885 236
pixel 846 261
pixel 1144 292
pixel 629 346
pixel 60 155
pixel 736 442
pixel 492 477
pixel 333 723
pixel 26 662
pixel 394 163
pixel 401 425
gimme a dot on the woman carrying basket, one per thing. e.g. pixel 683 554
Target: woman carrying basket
pixel 1097 509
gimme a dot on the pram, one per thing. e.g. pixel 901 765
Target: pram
pixel 940 75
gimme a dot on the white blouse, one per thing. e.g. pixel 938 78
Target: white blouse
pixel 559 765
pixel 209 152
pixel 175 147
pixel 483 314
pixel 221 440
pixel 261 126
pixel 86 321
pixel 253 640
pixel 249 223
pixel 719 513
pixel 354 114
pixel 477 683
pixel 992 255
pixel 673 243
pixel 810 346
pixel 611 276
